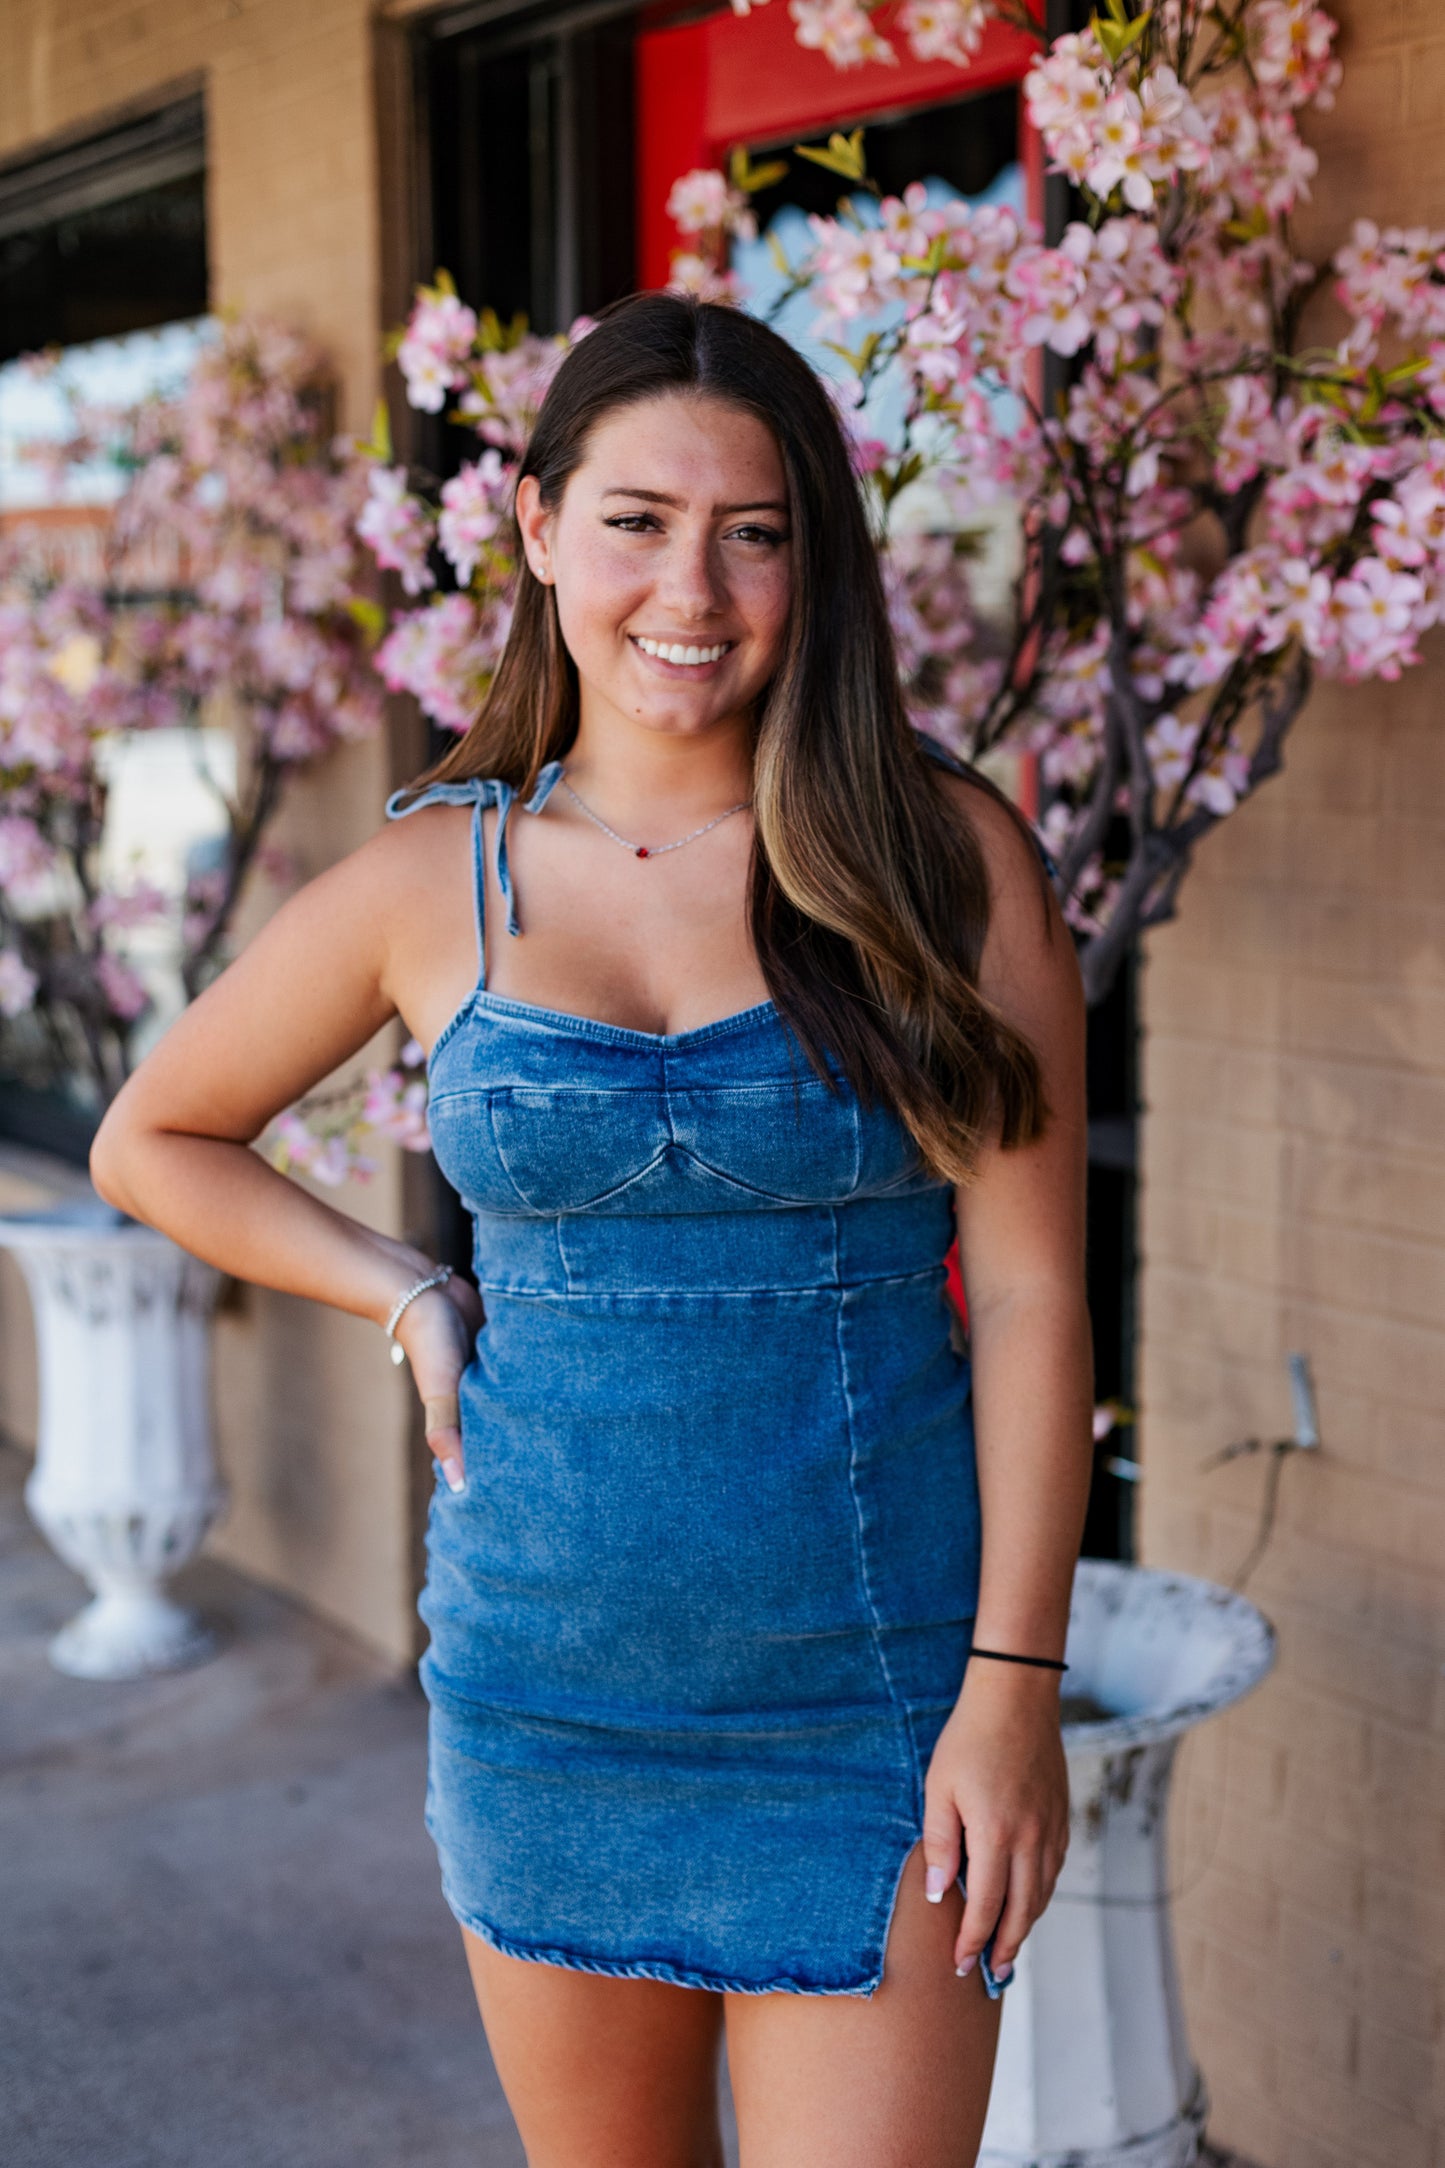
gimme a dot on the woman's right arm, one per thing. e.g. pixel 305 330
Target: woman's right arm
pixel 175 1147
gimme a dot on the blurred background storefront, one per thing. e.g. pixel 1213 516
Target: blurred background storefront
pixel 1285 1186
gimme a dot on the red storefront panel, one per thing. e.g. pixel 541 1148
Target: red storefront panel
pixel 729 79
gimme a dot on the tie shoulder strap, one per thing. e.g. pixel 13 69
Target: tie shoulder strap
pixel 468 790
pixel 479 791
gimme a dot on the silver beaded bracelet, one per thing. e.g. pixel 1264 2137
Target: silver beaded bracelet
pixel 438 1278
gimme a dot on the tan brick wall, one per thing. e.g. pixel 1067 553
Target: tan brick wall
pixel 1294 1197
pixel 315 1426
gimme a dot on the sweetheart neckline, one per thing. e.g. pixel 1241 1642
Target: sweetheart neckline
pixel 618 1034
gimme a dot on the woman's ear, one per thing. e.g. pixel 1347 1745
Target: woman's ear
pixel 534 522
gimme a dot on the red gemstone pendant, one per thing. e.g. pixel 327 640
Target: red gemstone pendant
pixel 642 851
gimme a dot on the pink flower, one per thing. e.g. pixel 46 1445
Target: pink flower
pixel 1377 612
pixel 690 273
pixel 136 907
pixel 1290 50
pixel 704 201
pixel 1220 786
pixel 445 655
pixel 396 1107
pixel 1170 745
pixel 432 355
pixel 473 507
pixel 17 984
pixel 854 270
pixel 1051 286
pixel 508 389
pixel 26 859
pixel 944 29
pixel 397 528
pixel 840 29
pixel 1299 598
pixel 122 987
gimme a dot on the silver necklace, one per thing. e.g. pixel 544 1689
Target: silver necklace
pixel 649 850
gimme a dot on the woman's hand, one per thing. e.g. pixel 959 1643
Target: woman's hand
pixel 998 1786
pixel 439 1332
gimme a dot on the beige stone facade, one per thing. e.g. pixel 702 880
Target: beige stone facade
pixel 1294 1198
pixel 1293 1158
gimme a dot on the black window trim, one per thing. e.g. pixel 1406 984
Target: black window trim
pixel 107 164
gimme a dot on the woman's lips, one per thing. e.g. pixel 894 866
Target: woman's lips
pixel 693 658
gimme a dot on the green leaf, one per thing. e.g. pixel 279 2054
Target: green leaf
pixel 862 360
pixel 1250 228
pixel 1119 36
pixel 845 353
pixel 369 615
pixel 750 178
pixel 379 444
pixel 933 262
pixel 767 175
pixel 844 155
pixel 1404 371
pixel 779 255
pixel 444 283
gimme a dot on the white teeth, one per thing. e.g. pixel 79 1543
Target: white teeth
pixel 674 652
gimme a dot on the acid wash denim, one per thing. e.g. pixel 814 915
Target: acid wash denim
pixel 706 1598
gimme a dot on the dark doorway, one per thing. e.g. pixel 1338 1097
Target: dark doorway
pixel 529 155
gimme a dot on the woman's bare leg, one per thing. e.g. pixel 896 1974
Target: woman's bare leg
pixel 899 2079
pixel 600 2072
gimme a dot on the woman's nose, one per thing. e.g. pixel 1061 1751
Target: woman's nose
pixel 691 581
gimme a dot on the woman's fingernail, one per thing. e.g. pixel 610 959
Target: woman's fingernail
pixel 966 1967
pixel 452 1470
pixel 1005 1971
pixel 935 1882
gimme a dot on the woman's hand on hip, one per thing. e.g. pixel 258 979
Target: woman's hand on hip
pixel 998 1790
pixel 439 1332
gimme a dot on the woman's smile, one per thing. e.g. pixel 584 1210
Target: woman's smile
pixel 685 658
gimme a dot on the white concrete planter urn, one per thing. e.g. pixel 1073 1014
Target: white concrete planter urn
pixel 124 1484
pixel 1094 2068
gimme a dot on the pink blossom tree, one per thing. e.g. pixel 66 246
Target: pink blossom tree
pixel 1210 513
pixel 231 586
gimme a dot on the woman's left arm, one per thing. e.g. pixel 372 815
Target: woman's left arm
pixel 998 1779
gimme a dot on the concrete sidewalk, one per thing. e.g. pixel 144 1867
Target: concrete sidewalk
pixel 222 1941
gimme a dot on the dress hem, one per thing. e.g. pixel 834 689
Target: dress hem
pixel 643 1968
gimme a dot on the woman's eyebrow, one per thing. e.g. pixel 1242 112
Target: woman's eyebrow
pixel 677 504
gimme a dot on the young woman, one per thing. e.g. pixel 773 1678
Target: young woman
pixel 739 1002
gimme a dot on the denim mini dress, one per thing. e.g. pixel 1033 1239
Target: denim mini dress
pixel 706 1598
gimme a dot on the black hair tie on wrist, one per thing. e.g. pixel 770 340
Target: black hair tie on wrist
pixel 1050 1663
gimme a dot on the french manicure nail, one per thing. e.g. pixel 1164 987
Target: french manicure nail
pixel 452 1470
pixel 966 1967
pixel 935 1882
pixel 1005 1971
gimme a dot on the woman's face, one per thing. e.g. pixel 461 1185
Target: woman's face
pixel 671 554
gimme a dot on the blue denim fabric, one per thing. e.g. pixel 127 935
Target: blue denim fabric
pixel 706 1598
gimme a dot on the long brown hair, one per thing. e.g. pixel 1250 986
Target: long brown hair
pixel 870 895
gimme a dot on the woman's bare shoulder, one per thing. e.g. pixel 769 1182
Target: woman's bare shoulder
pixel 1029 953
pixel 1010 853
pixel 411 850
